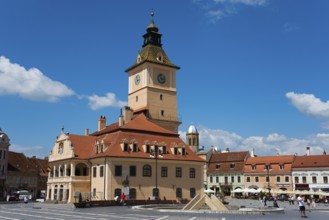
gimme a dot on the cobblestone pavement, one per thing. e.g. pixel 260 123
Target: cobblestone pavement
pixel 35 211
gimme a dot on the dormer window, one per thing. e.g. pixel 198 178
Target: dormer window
pixel 217 166
pixel 267 167
pixel 139 59
pixel 135 147
pixel 183 151
pixel 281 166
pixel 164 149
pixel 253 167
pixel 175 150
pixel 148 148
pixel 232 165
pixel 125 147
pixel 159 57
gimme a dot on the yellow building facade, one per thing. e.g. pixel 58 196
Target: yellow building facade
pixel 140 155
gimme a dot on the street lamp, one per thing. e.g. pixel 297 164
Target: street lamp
pixel 156 154
pixel 268 169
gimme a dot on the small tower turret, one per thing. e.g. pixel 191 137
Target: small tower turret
pixel 192 138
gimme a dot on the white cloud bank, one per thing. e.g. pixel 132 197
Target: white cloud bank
pixel 31 84
pixel 30 151
pixel 271 144
pixel 217 9
pixel 98 102
pixel 309 104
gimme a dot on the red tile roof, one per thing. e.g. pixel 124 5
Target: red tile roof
pixel 19 162
pixel 229 156
pixel 279 159
pixel 227 162
pixel 140 130
pixel 41 165
pixel 141 123
pixel 82 145
pixel 275 161
pixel 311 161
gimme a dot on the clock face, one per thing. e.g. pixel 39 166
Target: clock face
pixel 161 78
pixel 137 79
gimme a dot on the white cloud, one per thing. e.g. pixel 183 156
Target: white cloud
pixel 29 151
pixel 31 84
pixel 309 104
pixel 215 15
pixel 97 102
pixel 271 144
pixel 217 9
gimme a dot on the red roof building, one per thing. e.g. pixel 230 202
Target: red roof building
pixel 225 171
pixel 269 172
pixel 142 154
pixel 311 172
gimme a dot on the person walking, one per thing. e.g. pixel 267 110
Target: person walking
pixel 301 206
pixel 123 199
pixel 116 199
pixel 26 200
pixel 264 200
pixel 308 202
pixel 293 200
pixel 313 203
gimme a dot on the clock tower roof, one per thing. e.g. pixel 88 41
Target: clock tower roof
pixel 152 50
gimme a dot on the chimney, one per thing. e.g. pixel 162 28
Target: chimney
pixel 252 153
pixel 46 158
pixel 308 151
pixel 101 123
pixel 127 114
pixel 87 132
pixel 121 122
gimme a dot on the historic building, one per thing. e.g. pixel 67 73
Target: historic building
pixel 311 172
pixel 26 173
pixel 4 148
pixel 141 154
pixel 225 171
pixel 269 172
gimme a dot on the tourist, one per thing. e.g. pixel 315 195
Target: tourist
pixel 26 200
pixel 116 199
pixel 275 204
pixel 301 206
pixel 313 204
pixel 308 202
pixel 123 199
pixel 264 200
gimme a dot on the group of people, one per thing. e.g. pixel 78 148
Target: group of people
pixel 122 199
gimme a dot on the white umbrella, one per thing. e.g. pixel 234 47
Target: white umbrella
pixel 238 190
pixel 252 190
pixel 209 191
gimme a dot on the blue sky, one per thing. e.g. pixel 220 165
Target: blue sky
pixel 254 73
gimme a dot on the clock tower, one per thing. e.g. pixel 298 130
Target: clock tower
pixel 152 82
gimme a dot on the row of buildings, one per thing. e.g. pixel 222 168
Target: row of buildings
pixel 142 155
pixel 19 172
pixel 229 171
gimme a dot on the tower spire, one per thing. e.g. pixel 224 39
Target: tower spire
pixel 152 35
